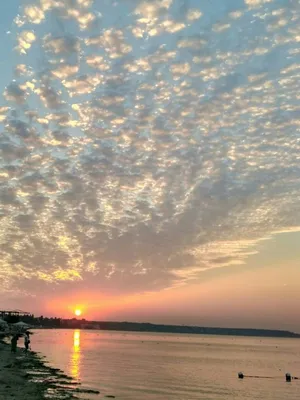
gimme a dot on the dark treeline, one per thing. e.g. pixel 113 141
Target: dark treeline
pixel 44 322
pixel 74 323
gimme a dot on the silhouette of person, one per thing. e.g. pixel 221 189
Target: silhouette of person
pixel 14 341
pixel 26 341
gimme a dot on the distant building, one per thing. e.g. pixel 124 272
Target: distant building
pixel 13 316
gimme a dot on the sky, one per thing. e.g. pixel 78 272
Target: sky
pixel 150 160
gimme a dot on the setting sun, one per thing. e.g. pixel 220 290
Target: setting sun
pixel 78 312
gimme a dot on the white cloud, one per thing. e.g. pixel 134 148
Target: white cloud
pixel 256 3
pixel 34 14
pixel 112 41
pixel 65 71
pixel 62 45
pixel 25 40
pixel 194 14
pixel 98 62
pixel 180 150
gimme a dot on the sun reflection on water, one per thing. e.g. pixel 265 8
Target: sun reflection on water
pixel 75 356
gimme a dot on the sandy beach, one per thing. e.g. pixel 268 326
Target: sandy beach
pixel 14 379
pixel 25 376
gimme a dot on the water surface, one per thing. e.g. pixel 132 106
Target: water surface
pixel 149 366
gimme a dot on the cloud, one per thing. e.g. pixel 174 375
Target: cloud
pixel 65 71
pixel 153 9
pixel 21 70
pixel 25 40
pixel 19 128
pixel 195 43
pixel 34 14
pixel 180 68
pixel 84 19
pixel 82 85
pixel 112 41
pixel 85 3
pixel 49 96
pixel 138 154
pixel 15 93
pixel 221 27
pixel 48 5
pixel 97 62
pixel 256 3
pixel 3 113
pixel 193 14
pixel 62 45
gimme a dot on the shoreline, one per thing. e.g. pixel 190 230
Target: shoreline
pixel 159 328
pixel 26 376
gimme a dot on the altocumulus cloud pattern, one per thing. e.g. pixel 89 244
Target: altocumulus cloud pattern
pixel 144 142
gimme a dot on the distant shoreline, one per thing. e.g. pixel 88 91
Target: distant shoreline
pixel 158 328
pixel 74 323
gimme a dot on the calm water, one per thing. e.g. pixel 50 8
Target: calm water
pixel 145 366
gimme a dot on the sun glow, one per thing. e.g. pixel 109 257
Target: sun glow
pixel 77 312
pixel 75 358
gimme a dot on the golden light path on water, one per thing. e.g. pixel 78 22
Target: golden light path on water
pixel 76 355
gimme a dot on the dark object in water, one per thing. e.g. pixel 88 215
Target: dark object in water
pixel 288 377
pixel 242 376
pixel 77 390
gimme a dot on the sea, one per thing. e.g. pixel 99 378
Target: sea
pixel 158 366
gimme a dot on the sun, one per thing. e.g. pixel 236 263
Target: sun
pixel 77 312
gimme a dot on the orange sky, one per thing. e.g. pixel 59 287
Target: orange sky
pixel 260 294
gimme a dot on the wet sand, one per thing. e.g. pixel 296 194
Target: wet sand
pixel 25 376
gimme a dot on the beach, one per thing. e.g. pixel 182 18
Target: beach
pixel 25 376
pixel 14 379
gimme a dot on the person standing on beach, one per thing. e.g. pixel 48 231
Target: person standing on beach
pixel 26 341
pixel 14 341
